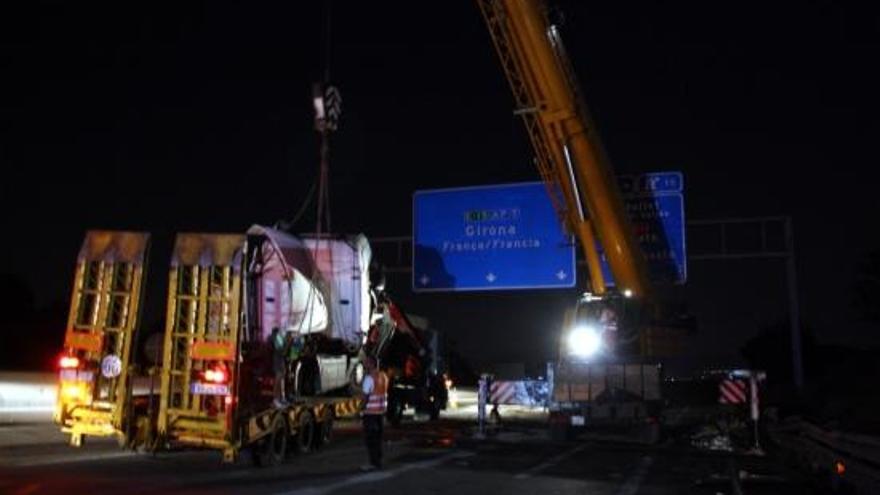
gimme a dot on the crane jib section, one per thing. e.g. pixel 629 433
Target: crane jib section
pixel 568 153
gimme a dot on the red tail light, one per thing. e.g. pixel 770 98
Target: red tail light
pixel 216 375
pixel 68 362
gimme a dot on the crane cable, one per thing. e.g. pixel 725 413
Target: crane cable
pixel 320 182
pixel 323 224
pixel 323 213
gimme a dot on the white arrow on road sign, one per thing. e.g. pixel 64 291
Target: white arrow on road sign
pixel 491 277
pixel 561 275
pixel 424 280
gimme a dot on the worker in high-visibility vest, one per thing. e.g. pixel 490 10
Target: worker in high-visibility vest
pixel 375 389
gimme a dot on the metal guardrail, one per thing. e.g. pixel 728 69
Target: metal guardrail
pixel 853 459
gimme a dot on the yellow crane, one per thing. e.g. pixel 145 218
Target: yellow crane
pixel 597 380
pixel 568 152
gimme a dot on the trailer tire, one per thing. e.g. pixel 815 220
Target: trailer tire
pixel 273 448
pixel 324 433
pixel 305 432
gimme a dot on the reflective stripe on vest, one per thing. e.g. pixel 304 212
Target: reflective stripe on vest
pixel 377 401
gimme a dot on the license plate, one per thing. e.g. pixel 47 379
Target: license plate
pixel 209 388
pixel 577 421
pixel 76 376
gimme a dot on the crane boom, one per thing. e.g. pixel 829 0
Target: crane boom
pixel 569 155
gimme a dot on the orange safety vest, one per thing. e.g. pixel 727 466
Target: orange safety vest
pixel 377 400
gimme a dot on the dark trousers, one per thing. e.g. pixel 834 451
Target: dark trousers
pixel 373 437
pixel 280 376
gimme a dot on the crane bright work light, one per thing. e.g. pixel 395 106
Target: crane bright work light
pixel 584 341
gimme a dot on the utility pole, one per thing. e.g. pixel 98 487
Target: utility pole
pixel 794 310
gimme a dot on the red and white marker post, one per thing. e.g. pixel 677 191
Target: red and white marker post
pixel 729 390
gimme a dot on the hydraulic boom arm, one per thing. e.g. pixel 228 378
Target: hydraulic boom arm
pixel 568 153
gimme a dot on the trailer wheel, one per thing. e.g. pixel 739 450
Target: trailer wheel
pixel 305 432
pixel 277 442
pixel 325 429
pixel 273 448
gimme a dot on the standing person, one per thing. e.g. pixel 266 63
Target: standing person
pixel 279 365
pixel 608 327
pixel 375 388
pixel 294 346
pixel 294 349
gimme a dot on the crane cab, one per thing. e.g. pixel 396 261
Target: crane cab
pixel 600 328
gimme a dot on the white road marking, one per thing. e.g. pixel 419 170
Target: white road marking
pixel 376 475
pixel 631 487
pixel 549 462
pixel 247 472
pixel 66 459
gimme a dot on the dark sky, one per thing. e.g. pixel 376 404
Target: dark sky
pixel 197 117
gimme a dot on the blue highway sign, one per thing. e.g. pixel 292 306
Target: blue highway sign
pixel 655 205
pixel 489 238
pixel 652 183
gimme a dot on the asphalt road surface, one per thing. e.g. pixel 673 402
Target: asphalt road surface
pixel 440 457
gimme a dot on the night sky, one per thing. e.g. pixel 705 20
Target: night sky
pixel 197 117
